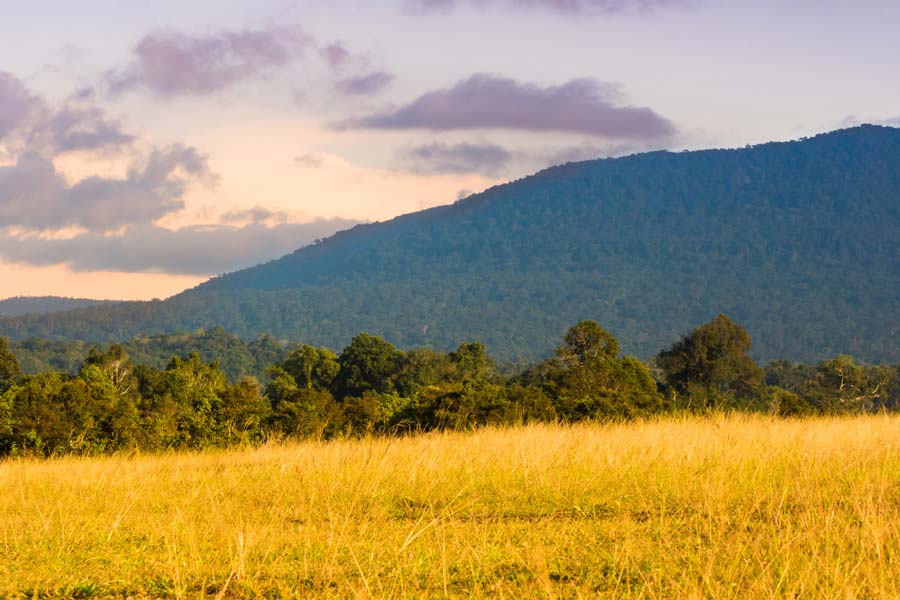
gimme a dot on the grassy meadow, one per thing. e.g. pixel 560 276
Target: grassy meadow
pixel 718 507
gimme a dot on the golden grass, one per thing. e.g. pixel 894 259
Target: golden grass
pixel 724 507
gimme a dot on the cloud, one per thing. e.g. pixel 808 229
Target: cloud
pixel 28 122
pixel 485 101
pixel 853 121
pixel 494 160
pixel 16 103
pixel 85 128
pixel 194 250
pixel 458 158
pixel 169 63
pixel 257 214
pixel 336 55
pixel 34 196
pixel 369 83
pixel 310 161
pixel 559 6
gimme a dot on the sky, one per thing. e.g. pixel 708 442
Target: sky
pixel 146 145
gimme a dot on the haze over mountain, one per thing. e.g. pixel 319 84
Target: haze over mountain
pixel 797 241
pixel 24 305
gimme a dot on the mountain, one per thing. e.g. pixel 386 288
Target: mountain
pixel 25 305
pixel 798 241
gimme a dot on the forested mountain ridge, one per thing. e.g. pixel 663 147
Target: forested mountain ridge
pixel 26 305
pixel 799 241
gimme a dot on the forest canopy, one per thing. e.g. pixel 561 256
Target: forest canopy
pixel 113 402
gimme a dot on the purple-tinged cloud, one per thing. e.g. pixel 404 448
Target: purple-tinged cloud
pixel 336 55
pixel 17 103
pixel 170 63
pixel 485 101
pixel 34 196
pixel 257 214
pixel 85 128
pixel 194 250
pixel 366 84
pixel 458 158
pixel 29 124
pixel 559 6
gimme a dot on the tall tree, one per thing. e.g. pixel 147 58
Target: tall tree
pixel 712 365
pixel 312 368
pixel 9 366
pixel 368 364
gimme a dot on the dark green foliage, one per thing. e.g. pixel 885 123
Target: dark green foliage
pixel 372 388
pixel 787 404
pixel 368 364
pixel 237 358
pixel 588 379
pixel 306 413
pixel 9 366
pixel 798 240
pixel 711 367
pixel 312 368
pixel 838 385
pixel 243 415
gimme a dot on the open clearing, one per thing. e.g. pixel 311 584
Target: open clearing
pixel 719 507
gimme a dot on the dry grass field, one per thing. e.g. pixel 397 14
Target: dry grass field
pixel 722 507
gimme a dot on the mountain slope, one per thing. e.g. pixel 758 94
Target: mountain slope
pixel 25 305
pixel 798 241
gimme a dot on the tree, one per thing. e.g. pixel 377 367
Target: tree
pixel 588 379
pixel 712 365
pixel 312 368
pixel 585 341
pixel 842 385
pixel 9 366
pixel 243 413
pixel 368 364
pixel 472 361
pixel 306 413
pixel 116 367
pixel 197 390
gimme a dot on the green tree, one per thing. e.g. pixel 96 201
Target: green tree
pixel 368 364
pixel 306 413
pixel 243 413
pixel 585 341
pixel 9 366
pixel 712 367
pixel 588 379
pixel 842 385
pixel 197 390
pixel 312 368
pixel 38 421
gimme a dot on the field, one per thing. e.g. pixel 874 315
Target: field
pixel 720 507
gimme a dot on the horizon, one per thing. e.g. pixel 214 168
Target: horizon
pixel 146 148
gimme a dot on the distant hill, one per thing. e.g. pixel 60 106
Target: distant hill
pixel 797 241
pixel 25 305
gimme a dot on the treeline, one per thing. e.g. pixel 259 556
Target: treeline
pixel 236 357
pixel 113 404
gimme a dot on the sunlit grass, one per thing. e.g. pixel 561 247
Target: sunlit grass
pixel 721 507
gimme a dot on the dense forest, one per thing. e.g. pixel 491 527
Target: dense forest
pixel 28 305
pixel 114 403
pixel 234 356
pixel 798 241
